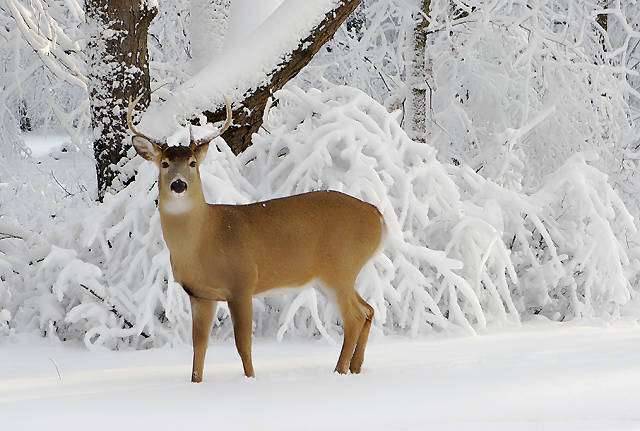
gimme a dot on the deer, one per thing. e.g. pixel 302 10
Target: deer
pixel 235 252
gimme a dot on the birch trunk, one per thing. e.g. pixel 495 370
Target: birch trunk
pixel 416 107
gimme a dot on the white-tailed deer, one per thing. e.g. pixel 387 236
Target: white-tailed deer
pixel 233 252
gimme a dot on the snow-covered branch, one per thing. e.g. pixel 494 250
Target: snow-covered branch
pixel 58 52
pixel 517 205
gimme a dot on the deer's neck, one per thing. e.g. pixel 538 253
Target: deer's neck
pixel 183 219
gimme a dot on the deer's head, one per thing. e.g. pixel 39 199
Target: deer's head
pixel 179 177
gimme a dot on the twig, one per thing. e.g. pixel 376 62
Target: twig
pixel 380 73
pixel 4 235
pixel 57 369
pixel 61 186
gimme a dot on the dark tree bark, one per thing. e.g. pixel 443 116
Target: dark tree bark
pixel 602 19
pixel 247 115
pixel 118 69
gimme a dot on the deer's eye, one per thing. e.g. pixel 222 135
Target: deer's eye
pixel 192 164
pixel 165 164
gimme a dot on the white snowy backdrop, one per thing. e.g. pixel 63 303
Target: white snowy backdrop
pixel 522 203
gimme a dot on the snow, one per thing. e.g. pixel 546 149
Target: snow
pixel 245 16
pixel 543 376
pixel 535 375
pixel 42 145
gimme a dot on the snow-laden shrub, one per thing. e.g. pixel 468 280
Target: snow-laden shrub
pixel 463 253
pixel 38 222
pixel 567 242
pixel 484 243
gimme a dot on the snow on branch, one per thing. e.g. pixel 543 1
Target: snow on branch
pixel 48 40
pixel 522 227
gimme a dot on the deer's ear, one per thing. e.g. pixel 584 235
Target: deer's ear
pixel 201 152
pixel 147 149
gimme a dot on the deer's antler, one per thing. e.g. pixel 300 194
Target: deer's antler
pixel 193 143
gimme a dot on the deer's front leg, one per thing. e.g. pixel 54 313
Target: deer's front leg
pixel 202 311
pixel 242 318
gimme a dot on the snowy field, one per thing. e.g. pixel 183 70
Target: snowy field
pixel 543 376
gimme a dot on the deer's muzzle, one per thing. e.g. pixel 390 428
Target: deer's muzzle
pixel 178 186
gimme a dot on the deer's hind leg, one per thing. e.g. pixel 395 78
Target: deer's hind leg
pixel 358 355
pixel 356 326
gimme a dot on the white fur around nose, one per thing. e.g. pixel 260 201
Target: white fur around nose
pixel 177 204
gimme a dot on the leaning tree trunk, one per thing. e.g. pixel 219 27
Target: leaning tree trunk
pixel 118 70
pixel 247 115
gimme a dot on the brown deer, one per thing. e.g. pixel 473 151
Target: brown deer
pixel 233 252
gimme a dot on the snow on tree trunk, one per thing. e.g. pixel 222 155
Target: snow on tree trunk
pixel 118 70
pixel 207 27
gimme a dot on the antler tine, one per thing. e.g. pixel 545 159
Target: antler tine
pixel 193 143
pixel 130 107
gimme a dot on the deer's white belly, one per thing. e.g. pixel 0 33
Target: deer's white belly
pixel 282 291
pixel 315 284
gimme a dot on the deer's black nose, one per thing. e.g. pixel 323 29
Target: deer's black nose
pixel 178 186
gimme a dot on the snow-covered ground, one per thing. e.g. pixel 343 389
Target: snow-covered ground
pixel 543 376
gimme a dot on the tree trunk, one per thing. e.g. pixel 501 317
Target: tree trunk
pixel 118 69
pixel 417 76
pixel 247 116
